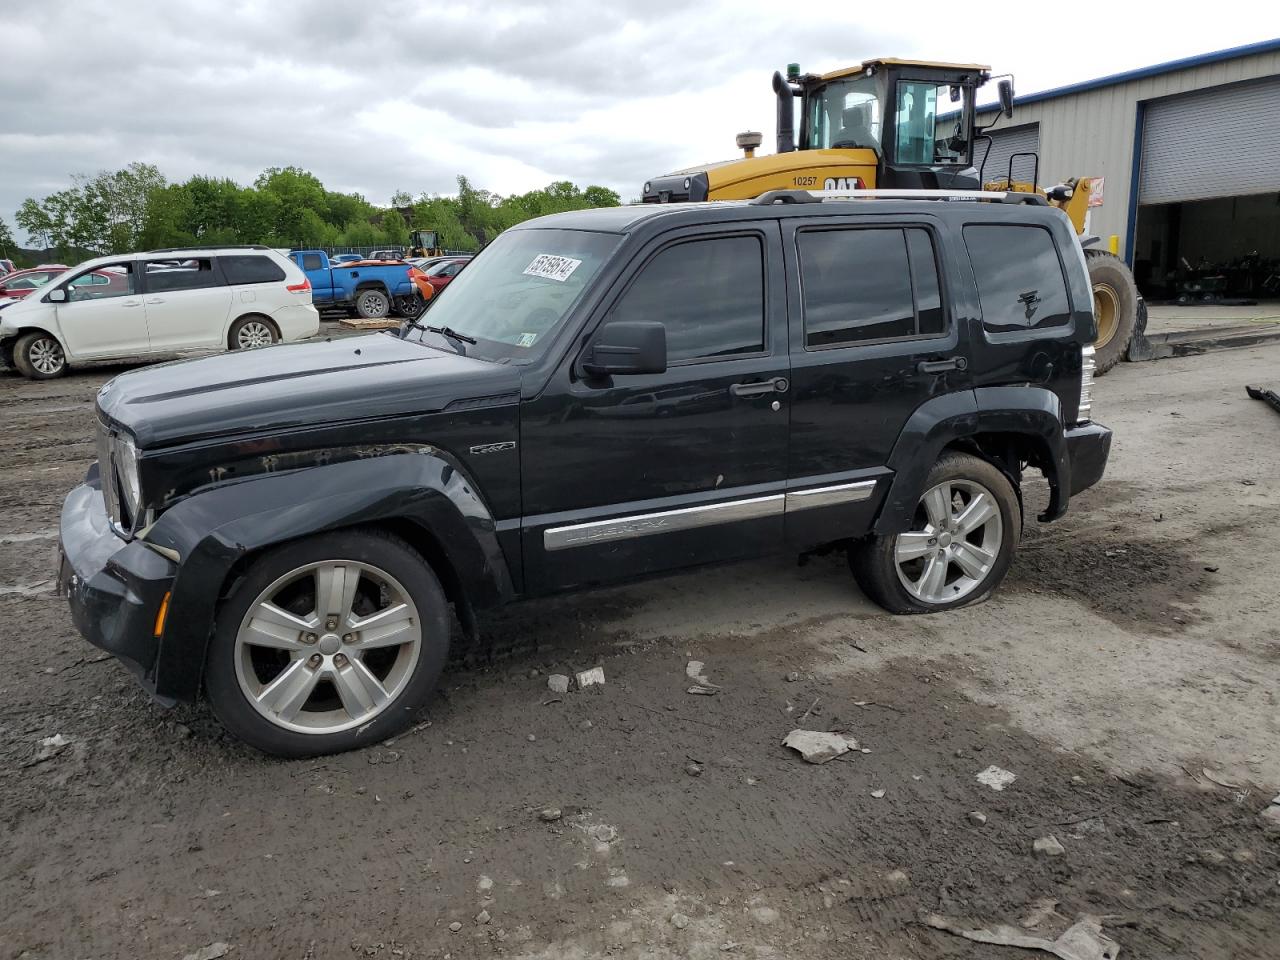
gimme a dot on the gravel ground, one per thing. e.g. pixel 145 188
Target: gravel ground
pixel 1126 673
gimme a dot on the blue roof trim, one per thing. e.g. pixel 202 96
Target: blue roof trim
pixel 1186 63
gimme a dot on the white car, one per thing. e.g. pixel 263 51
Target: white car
pixel 158 302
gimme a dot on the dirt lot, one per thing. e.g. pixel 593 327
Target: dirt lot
pixel 1131 660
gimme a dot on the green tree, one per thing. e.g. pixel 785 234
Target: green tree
pixel 7 244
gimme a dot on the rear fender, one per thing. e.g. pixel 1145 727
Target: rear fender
pixel 953 418
pixel 418 494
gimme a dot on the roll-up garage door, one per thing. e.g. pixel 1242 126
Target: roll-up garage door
pixel 1004 144
pixel 1213 143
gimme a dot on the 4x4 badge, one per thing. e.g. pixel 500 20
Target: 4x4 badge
pixel 494 447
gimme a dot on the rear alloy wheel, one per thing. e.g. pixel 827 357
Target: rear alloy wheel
pixel 39 356
pixel 248 333
pixel 958 547
pixel 372 304
pixel 328 644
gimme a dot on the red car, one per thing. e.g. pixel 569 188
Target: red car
pixel 439 274
pixel 22 282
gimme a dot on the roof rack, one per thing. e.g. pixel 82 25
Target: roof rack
pixel 216 246
pixel 817 196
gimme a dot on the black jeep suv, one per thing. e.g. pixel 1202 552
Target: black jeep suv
pixel 599 396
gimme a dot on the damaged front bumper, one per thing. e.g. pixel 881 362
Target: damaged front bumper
pixel 115 587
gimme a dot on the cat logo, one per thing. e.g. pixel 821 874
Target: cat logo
pixel 842 183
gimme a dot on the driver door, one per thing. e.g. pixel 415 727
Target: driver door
pixel 103 315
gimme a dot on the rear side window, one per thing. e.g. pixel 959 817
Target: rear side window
pixel 863 285
pixel 251 268
pixel 710 295
pixel 167 275
pixel 1020 281
pixel 311 261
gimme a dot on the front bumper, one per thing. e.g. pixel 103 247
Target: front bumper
pixel 115 587
pixel 1088 446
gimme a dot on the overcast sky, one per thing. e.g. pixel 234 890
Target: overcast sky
pixel 385 95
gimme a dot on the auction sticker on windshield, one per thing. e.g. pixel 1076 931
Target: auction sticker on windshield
pixel 552 267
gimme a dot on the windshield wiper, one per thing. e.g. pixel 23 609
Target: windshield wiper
pixel 443 331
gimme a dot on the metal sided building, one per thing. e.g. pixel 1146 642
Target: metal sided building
pixel 1189 155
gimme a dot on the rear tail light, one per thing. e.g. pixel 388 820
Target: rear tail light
pixel 302 287
pixel 1087 365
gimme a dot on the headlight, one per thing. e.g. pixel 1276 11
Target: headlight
pixel 1087 365
pixel 126 463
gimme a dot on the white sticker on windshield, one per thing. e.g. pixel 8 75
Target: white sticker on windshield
pixel 526 339
pixel 552 267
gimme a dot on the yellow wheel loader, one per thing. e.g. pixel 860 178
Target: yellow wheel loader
pixel 899 125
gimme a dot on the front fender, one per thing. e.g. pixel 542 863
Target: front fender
pixel 422 493
pixel 1028 411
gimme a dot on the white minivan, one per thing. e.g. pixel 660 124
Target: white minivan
pixel 158 302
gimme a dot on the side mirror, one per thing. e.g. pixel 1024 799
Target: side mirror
pixel 1006 97
pixel 626 347
pixel 58 296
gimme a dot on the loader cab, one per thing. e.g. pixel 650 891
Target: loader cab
pixel 917 118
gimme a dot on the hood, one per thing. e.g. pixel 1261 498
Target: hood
pixel 295 386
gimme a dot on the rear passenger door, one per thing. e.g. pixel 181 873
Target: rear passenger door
pixel 873 336
pixel 187 303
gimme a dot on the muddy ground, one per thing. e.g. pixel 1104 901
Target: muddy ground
pixel 1127 670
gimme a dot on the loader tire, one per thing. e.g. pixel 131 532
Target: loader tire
pixel 1115 307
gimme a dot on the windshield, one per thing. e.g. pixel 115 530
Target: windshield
pixel 925 136
pixel 435 269
pixel 518 290
pixel 845 113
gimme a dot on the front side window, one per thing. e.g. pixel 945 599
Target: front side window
pixel 869 284
pixel 311 261
pixel 515 293
pixel 1020 281
pixel 844 114
pixel 173 275
pixel 103 283
pixel 930 125
pixel 710 295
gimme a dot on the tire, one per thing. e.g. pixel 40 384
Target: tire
pixel 875 561
pixel 372 304
pixel 295 682
pixel 39 356
pixel 251 332
pixel 1115 305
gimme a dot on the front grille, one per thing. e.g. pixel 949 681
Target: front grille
pixel 107 472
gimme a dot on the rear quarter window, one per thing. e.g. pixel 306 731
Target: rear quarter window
pixel 251 268
pixel 1021 285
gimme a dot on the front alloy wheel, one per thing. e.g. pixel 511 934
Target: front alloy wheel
pixel 328 643
pixel 958 544
pixel 327 646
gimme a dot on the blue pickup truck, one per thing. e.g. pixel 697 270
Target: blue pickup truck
pixel 373 289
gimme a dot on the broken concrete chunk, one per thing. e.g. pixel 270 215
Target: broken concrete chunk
pixel 212 952
pixel 483 917
pixel 1270 818
pixel 878 794
pixel 549 814
pixel 996 778
pixel 558 683
pixel 818 747
pixel 679 921
pixel 590 678
pixel 48 748
pixel 1048 847
pixel 977 818
pixel 701 685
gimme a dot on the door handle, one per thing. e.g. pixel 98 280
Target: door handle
pixel 775 385
pixel 156 300
pixel 942 366
pixel 132 303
